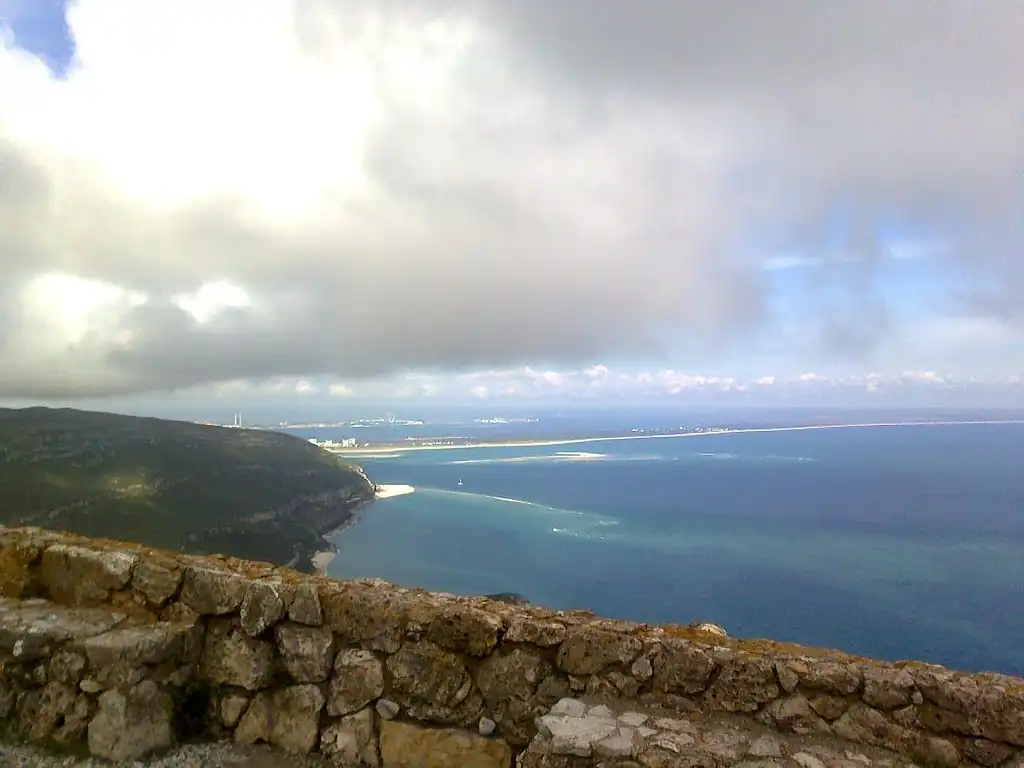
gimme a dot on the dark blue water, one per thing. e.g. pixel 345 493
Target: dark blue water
pixel 902 542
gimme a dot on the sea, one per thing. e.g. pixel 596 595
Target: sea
pixel 894 542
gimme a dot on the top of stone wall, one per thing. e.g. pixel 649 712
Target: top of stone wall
pixel 117 565
pixel 668 667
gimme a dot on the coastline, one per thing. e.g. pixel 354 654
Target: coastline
pixel 399 449
pixel 320 560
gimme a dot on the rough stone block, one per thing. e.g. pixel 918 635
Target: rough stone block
pixel 77 575
pixel 680 667
pixel 305 607
pixel 869 726
pixel 16 560
pixel 157 578
pixel 43 710
pixel 213 592
pixel 515 674
pixel 744 684
pixel 139 646
pixel 131 725
pixel 307 652
pixel 403 745
pixel 434 685
pixel 794 714
pixel 263 606
pixel 887 687
pixel 230 708
pixel 831 677
pixel 351 740
pixel 288 718
pixel 540 632
pixel 587 650
pixel 466 629
pixel 67 667
pixel 33 629
pixel 358 680
pixel 231 657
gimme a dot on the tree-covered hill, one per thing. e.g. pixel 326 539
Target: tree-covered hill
pixel 172 484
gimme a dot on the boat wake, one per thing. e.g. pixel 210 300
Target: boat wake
pixel 558 520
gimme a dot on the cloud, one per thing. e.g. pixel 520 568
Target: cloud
pixel 361 189
pixel 899 250
pixel 522 390
pixel 341 390
pixel 527 385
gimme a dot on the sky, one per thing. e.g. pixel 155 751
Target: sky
pixel 377 201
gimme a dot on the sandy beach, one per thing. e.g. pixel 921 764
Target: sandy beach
pixel 391 450
pixel 390 491
pixel 321 560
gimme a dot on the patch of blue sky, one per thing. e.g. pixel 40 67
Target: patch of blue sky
pixel 40 28
pixel 906 274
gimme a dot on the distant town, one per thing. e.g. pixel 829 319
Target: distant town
pixel 351 443
pixel 495 431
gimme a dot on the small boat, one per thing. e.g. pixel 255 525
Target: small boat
pixel 460 481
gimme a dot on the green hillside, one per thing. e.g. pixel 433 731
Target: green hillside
pixel 171 484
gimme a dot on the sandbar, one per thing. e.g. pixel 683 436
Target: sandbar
pixel 390 491
pixel 392 449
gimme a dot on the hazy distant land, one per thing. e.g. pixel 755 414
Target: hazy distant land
pixel 459 443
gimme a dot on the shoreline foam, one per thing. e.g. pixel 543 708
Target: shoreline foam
pixel 396 449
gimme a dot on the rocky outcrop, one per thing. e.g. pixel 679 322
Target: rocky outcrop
pixel 125 651
pixel 574 734
pixel 131 723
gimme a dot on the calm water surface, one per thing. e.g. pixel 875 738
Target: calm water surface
pixel 903 542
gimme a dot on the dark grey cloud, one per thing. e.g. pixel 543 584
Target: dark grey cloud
pixel 911 109
pixel 536 183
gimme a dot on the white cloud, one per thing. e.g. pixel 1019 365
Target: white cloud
pixel 360 190
pixel 341 390
pixel 898 249
pixel 926 377
pixel 919 249
pixel 625 385
pixel 412 388
pixel 212 298
pixel 811 376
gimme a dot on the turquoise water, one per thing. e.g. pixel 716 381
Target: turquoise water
pixel 894 542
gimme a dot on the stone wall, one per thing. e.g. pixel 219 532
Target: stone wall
pixel 129 649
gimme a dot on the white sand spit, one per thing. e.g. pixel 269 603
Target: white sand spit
pixel 390 491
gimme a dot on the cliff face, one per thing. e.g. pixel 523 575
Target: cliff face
pixel 128 649
pixel 256 494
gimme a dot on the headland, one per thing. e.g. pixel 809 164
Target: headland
pixel 181 486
